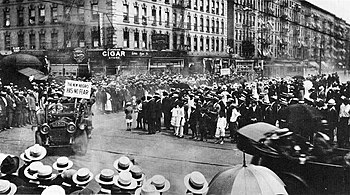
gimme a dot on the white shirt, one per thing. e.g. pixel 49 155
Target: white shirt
pixel 235 115
pixel 344 111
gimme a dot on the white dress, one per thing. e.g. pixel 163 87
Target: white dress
pixel 108 106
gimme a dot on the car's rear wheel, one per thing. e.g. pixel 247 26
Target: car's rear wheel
pixel 80 144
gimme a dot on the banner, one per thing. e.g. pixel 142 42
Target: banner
pixel 225 71
pixel 77 89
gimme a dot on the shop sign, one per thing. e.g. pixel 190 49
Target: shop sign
pixel 139 53
pixel 78 55
pixel 113 53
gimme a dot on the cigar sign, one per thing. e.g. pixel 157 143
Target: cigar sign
pixel 113 53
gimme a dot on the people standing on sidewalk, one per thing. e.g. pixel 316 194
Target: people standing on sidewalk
pixel 343 125
pixel 128 115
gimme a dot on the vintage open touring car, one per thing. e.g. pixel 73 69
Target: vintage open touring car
pixel 296 161
pixel 64 125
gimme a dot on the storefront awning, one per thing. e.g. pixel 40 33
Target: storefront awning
pixel 30 72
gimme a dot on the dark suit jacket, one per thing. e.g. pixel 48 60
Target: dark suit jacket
pixel 257 114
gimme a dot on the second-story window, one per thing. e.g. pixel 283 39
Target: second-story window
pixel 160 15
pixel 42 14
pixel 167 18
pixel 144 14
pixel 213 26
pixel 217 27
pixel 81 38
pixel 20 39
pixel 195 43
pixel 195 25
pixel 20 16
pixel 189 4
pixel 207 6
pixel 195 5
pixel 174 19
pixel 189 22
pixel 188 42
pixel 125 12
pixel 222 27
pixel 175 41
pixel 136 39
pixel 217 8
pixel 126 38
pixel 208 25
pixel 94 10
pixel 201 25
pixel 32 40
pixel 213 6
pixel 7 21
pixel 166 1
pixel 54 14
pixel 222 8
pixel 95 37
pixel 201 6
pixel 144 40
pixel 154 16
pixel 54 39
pixel 136 14
pixel 7 40
pixel 42 40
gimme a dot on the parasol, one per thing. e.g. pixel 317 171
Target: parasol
pixel 257 131
pixel 246 180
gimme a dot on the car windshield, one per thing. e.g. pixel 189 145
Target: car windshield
pixel 61 108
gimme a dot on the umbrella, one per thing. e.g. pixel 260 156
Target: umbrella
pixel 257 131
pixel 246 180
pixel 303 119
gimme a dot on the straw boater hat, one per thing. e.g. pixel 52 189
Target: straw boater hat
pixel 125 181
pixel 123 164
pixel 196 183
pixel 53 190
pixel 67 176
pixel 137 174
pixel 7 187
pixel 8 164
pixel 106 177
pixel 331 102
pixel 32 169
pixel 62 163
pixel 159 181
pixel 83 176
pixel 35 152
pixel 45 173
pixel 147 189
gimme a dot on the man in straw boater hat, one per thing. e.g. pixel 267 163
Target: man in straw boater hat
pixel 137 174
pixel 147 189
pixel 106 180
pixel 160 182
pixel 195 184
pixel 62 163
pixel 124 183
pixel 332 118
pixel 123 164
pixel 53 190
pixel 82 178
pixel 6 187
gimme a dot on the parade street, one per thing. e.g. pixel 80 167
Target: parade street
pixel 161 153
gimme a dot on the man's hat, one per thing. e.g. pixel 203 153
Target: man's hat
pixel 32 169
pixel 45 173
pixel 196 183
pixel 147 189
pixel 106 177
pixel 137 173
pixel 123 164
pixel 7 187
pixel 53 189
pixel 125 181
pixel 83 176
pixel 161 184
pixel 62 163
pixel 35 152
pixel 8 164
pixel 331 102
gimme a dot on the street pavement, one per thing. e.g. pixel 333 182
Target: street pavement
pixel 161 153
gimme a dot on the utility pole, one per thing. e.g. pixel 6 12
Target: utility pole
pixel 320 66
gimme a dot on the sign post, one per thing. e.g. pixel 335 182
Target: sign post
pixel 77 89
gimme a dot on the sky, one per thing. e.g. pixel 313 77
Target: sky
pixel 338 7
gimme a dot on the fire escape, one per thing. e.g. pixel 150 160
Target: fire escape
pixel 180 28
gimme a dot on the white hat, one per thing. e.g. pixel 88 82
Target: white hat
pixel 33 168
pixel 45 173
pixel 106 177
pixel 147 189
pixel 7 187
pixel 122 164
pixel 53 190
pixel 196 183
pixel 83 176
pixel 62 163
pixel 137 173
pixel 35 152
pixel 331 102
pixel 125 181
pixel 159 181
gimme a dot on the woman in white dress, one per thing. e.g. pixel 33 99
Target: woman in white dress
pixel 108 106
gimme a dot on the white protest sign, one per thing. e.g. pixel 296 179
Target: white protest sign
pixel 77 89
pixel 225 71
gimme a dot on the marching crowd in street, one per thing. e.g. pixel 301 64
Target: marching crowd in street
pixel 60 178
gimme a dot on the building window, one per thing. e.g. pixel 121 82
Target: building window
pixel 42 14
pixel 217 8
pixel 222 9
pixel 81 39
pixel 20 17
pixel 195 5
pixel 7 41
pixel 174 19
pixel 7 21
pixel 32 40
pixel 217 27
pixel 217 45
pixel 182 41
pixel 144 40
pixel 189 22
pixel 54 14
pixel 208 25
pixel 212 44
pixel 94 10
pixel 213 26
pixel 54 40
pixel 201 44
pixel 167 19
pixel 222 27
pixel 195 25
pixel 189 4
pixel 125 38
pixel 201 8
pixel 42 40
pixel 195 44
pixel 222 44
pixel 166 1
pixel 67 13
pixel 207 6
pixel 137 39
pixel 125 13
pixel 213 6
pixel 189 43
pixel 95 37
pixel 67 39
pixel 144 15
pixel 154 16
pixel 20 39
pixel 160 16
pixel 207 43
pixel 81 12
pixel 136 14
pixel 236 34
pixel 109 37
pixel 174 41
pixel 201 26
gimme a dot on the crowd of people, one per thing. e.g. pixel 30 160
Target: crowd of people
pixel 60 178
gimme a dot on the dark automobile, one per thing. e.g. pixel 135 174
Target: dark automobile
pixel 64 125
pixel 296 161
